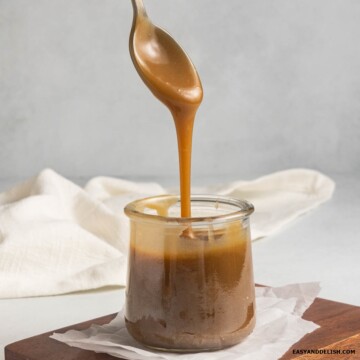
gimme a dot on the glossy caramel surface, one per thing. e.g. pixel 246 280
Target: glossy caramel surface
pixel 172 78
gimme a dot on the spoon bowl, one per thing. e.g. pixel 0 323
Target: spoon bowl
pixel 161 63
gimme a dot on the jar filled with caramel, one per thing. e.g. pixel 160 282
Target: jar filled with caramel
pixel 190 280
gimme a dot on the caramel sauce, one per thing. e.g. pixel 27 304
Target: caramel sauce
pixel 172 78
pixel 185 294
pixel 188 287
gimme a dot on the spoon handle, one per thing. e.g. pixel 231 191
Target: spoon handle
pixel 139 8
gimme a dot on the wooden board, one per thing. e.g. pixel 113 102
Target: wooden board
pixel 340 329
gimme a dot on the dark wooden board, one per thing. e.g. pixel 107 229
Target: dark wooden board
pixel 339 323
pixel 340 329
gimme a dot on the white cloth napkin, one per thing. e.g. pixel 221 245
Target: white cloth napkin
pixel 278 326
pixel 56 237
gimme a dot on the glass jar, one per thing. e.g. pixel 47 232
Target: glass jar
pixel 190 280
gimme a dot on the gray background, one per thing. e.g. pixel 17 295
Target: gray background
pixel 281 81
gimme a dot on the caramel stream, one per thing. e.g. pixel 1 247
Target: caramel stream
pixel 172 78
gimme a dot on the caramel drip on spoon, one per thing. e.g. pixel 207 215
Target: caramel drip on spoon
pixel 171 76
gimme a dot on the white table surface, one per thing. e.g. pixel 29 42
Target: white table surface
pixel 323 245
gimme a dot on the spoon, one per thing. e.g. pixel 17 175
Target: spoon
pixel 171 76
pixel 161 63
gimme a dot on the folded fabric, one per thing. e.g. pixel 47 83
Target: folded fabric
pixel 56 237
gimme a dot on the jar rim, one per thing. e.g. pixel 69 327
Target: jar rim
pixel 245 208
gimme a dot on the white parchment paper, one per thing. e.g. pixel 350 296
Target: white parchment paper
pixel 278 326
